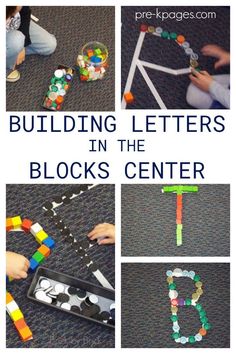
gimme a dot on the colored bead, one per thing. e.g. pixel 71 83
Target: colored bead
pixel 207 326
pixel 199 291
pixel 183 340
pixel 174 309
pixel 169 273
pixel 196 278
pixel 175 335
pixel 188 302
pixel 191 339
pixel 199 307
pixel 181 302
pixel 198 284
pixel 176 328
pixel 165 34
pixel 172 286
pixel 195 296
pixel 202 331
pixel 173 294
pixel 198 337
pixel 191 274
pixel 174 318
pixel 180 39
pixel 174 302
pixel 204 320
pixel 173 35
pixel 169 280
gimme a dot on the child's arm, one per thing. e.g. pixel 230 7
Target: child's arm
pixel 206 83
pixel 103 230
pixel 212 50
pixel 16 265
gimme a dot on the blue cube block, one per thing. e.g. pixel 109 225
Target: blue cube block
pixel 49 242
pixel 95 59
pixel 33 265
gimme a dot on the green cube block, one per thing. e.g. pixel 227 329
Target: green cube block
pixel 97 51
pixel 84 72
pixel 38 257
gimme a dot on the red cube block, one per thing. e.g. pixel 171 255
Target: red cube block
pixel 26 225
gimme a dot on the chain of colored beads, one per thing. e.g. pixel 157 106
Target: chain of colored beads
pixel 180 302
pixel 178 38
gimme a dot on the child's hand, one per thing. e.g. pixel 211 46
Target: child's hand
pixel 201 79
pixel 16 265
pixel 212 50
pixel 103 230
pixel 21 57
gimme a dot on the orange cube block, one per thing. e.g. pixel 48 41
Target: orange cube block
pixel 44 250
pixel 90 53
pixel 9 224
pixel 9 298
pixel 20 324
pixel 129 98
pixel 180 39
pixel 25 334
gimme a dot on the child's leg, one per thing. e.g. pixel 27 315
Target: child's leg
pixel 15 41
pixel 42 42
pixel 202 100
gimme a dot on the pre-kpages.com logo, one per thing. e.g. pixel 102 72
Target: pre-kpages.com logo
pixel 175 15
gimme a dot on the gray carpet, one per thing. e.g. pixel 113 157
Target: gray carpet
pixel 163 52
pixel 145 309
pixel 73 27
pixel 149 221
pixel 52 328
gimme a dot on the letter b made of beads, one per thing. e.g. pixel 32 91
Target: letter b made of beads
pixel 176 303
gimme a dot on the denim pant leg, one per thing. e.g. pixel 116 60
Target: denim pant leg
pixel 15 41
pixel 42 42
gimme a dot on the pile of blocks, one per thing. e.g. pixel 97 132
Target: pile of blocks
pixel 92 65
pixel 18 318
pixel 45 241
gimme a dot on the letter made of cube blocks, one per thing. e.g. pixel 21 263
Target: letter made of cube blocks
pixel 16 222
pixel 26 225
pixel 49 242
pixel 129 98
pixel 41 236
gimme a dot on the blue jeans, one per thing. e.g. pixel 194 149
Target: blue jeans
pixel 42 43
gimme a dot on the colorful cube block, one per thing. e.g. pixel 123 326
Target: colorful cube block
pixel 16 222
pixel 97 51
pixel 44 250
pixel 20 324
pixel 129 98
pixel 12 306
pixel 49 242
pixel 16 315
pixel 25 334
pixel 35 228
pixel 33 265
pixel 9 224
pixel 38 257
pixel 9 298
pixel 26 225
pixel 41 236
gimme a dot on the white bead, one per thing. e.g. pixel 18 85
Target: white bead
pixel 198 337
pixel 173 294
pixel 177 272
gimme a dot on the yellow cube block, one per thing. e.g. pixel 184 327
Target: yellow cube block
pixel 41 236
pixel 16 315
pixel 16 222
